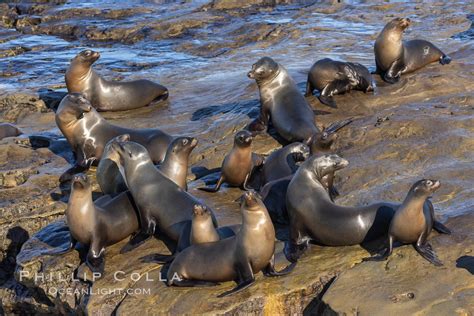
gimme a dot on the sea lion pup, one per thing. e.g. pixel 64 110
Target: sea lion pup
pixel 283 104
pixel 394 57
pixel 9 130
pixel 107 95
pixel 97 224
pixel 203 229
pixel 313 216
pixel 174 166
pixel 333 77
pixel 235 258
pixel 413 222
pixel 238 165
pixel 88 132
pixel 163 206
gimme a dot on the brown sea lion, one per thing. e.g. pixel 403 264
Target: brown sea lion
pixel 236 258
pixel 107 95
pixel 413 222
pixel 97 224
pixel 395 57
pixel 9 130
pixel 88 132
pixel 333 77
pixel 238 164
pixel 203 229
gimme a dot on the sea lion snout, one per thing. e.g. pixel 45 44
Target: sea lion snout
pixel 80 181
pixel 251 74
pixel 199 210
pixel 243 138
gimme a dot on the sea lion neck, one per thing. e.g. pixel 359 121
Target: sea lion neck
pixel 80 199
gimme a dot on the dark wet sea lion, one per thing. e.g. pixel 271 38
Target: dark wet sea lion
pixel 283 162
pixel 238 165
pixel 174 166
pixel 395 57
pixel 97 224
pixel 9 130
pixel 313 216
pixel 203 229
pixel 163 206
pixel 333 77
pixel 235 258
pixel 107 95
pixel 413 222
pixel 88 132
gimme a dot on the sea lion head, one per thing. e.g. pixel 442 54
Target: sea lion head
pixel 251 200
pixel 322 141
pixel 200 210
pixel 80 182
pixel 183 145
pixel 128 153
pixel 243 139
pixel 86 57
pixel 425 187
pixel 264 69
pixel 111 154
pixel 300 151
pixel 73 107
pixel 398 24
pixel 326 164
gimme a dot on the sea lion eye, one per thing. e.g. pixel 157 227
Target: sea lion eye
pixel 429 182
pixel 88 52
pixel 185 142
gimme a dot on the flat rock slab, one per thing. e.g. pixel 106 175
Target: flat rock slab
pixel 406 284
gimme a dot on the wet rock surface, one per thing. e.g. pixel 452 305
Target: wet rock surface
pixel 421 127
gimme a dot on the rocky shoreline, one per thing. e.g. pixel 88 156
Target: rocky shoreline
pixel 420 127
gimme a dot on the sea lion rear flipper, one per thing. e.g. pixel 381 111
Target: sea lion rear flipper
pixel 193 283
pixel 392 75
pixel 334 127
pixel 134 242
pixel 427 252
pixel 382 256
pixel 440 228
pixel 327 100
pixel 238 288
pixel 270 271
pixel 157 258
pixel 215 188
pixel 444 60
pixel 245 277
pixel 95 259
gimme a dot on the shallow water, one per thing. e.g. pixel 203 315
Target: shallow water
pixel 203 55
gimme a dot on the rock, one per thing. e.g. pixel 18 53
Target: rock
pixel 407 284
pixel 15 106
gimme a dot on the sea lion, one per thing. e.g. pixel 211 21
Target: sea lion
pixel 9 130
pixel 107 95
pixel 394 57
pixel 203 229
pixel 235 258
pixel 413 222
pixel 283 162
pixel 88 132
pixel 313 216
pixel 283 104
pixel 238 165
pixel 163 206
pixel 333 77
pixel 97 224
pixel 174 166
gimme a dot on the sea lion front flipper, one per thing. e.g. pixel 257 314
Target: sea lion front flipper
pixel 215 188
pixel 245 277
pixel 135 241
pixel 385 254
pixel 95 258
pixel 427 252
pixel 440 228
pixel 71 246
pixel 244 185
pixel 392 75
pixel 270 271
pixel 334 127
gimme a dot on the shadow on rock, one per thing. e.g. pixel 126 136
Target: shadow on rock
pixel 51 97
pixel 466 262
pixel 18 237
